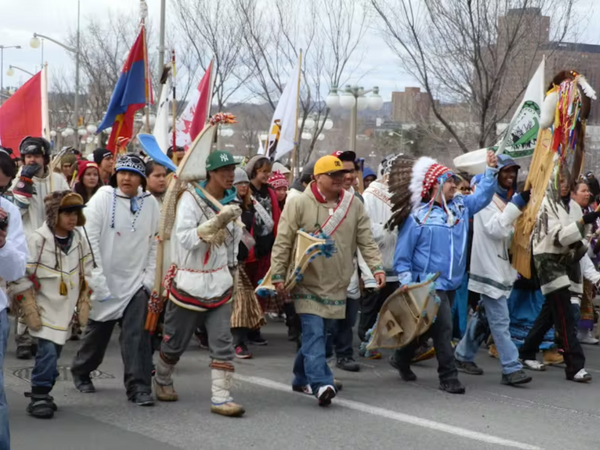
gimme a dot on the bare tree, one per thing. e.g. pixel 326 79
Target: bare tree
pixel 328 32
pixel 208 29
pixel 478 54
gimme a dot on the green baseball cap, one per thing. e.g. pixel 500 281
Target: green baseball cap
pixel 218 159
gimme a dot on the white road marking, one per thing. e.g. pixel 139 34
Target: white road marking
pixel 400 417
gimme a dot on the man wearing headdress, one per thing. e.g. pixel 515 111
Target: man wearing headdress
pixel 122 225
pixel 433 239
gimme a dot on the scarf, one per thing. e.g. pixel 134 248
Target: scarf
pixel 229 196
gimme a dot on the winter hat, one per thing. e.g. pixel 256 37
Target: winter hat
pixel 35 146
pixel 129 162
pixel 278 180
pixel 85 165
pixel 250 165
pixel 368 172
pixel 69 159
pixel 63 201
pixel 240 176
pixel 100 154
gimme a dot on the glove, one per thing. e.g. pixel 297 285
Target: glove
pixel 228 214
pixel 521 200
pixel 30 170
pixel 24 186
pixel 29 310
pixel 590 217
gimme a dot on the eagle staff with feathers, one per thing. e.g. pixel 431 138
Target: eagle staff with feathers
pixel 433 228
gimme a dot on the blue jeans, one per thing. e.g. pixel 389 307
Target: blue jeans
pixel 310 366
pixel 339 332
pixel 4 430
pixel 45 371
pixel 499 321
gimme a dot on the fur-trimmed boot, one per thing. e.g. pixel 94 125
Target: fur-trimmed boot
pixel 222 402
pixel 163 381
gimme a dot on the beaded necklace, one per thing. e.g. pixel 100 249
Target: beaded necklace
pixel 135 216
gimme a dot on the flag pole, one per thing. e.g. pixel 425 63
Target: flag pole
pixel 296 140
pixel 173 101
pixel 146 68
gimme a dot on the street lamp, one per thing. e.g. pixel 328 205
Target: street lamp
pixel 2 47
pixel 35 42
pixel 353 98
pixel 11 71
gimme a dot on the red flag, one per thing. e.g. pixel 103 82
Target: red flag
pixel 21 114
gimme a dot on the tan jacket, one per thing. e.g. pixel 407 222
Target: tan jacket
pixel 322 291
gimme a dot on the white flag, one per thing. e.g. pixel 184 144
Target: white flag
pixel 261 148
pixel 285 116
pixel 161 126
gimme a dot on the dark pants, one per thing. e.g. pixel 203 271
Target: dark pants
pixel 45 370
pixel 441 333
pixel 370 305
pixel 339 332
pixel 557 311
pixel 136 349
pixel 4 427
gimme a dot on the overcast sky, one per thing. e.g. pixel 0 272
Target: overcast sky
pixel 19 19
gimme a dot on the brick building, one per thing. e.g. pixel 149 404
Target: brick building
pixel 410 106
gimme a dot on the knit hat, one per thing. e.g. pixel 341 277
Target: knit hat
pixel 63 201
pixel 100 154
pixel 240 176
pixel 278 180
pixel 250 165
pixel 368 172
pixel 85 165
pixel 129 163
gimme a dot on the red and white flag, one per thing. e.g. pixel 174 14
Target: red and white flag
pixel 25 113
pixel 192 120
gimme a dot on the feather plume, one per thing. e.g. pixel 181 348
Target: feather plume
pixel 400 177
pixel 585 86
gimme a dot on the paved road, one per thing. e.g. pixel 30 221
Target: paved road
pixel 375 410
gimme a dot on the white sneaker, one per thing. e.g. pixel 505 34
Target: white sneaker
pixel 325 394
pixel 533 364
pixel 582 376
pixel 586 337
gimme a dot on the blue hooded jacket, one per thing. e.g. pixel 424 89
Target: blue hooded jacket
pixel 432 245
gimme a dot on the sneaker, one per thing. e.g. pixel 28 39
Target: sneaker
pixel 468 367
pixel 493 351
pixel 256 338
pixel 533 364
pixel 515 378
pixel 143 399
pixel 347 364
pixel 405 372
pixel 452 386
pixel 242 352
pixel 41 406
pixel 582 377
pixel 325 394
pixel 586 337
pixel 84 384
pixel 552 357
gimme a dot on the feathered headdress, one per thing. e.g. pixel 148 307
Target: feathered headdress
pixel 410 181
